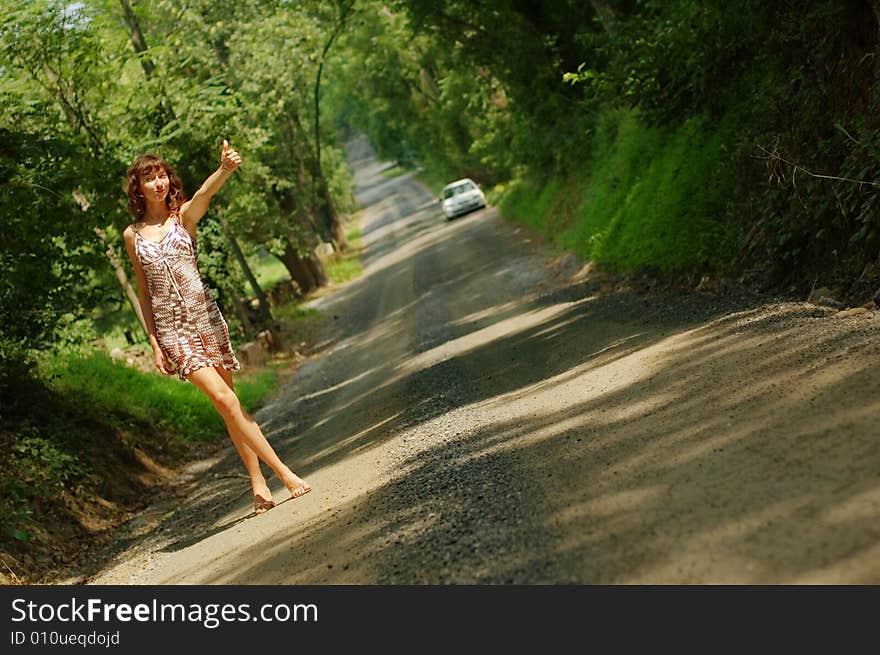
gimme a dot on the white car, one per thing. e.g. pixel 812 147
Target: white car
pixel 460 197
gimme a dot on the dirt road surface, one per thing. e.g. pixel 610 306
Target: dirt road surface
pixel 484 411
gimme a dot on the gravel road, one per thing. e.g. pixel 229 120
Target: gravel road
pixel 485 411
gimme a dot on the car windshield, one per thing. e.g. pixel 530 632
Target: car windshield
pixel 458 188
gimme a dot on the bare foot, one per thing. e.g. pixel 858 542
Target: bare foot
pixel 262 505
pixel 262 498
pixel 299 487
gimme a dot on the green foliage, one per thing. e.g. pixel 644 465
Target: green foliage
pixel 514 95
pixel 418 103
pixel 353 236
pixel 78 104
pixel 293 314
pixel 40 462
pixel 394 171
pixel 800 80
pixel 648 197
pixel 220 271
pixel 114 390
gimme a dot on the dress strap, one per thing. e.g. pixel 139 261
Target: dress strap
pixel 175 218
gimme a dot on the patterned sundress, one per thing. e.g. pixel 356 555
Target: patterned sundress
pixel 189 326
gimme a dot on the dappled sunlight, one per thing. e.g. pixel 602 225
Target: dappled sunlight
pixel 556 329
pixel 351 444
pixel 494 310
pixel 482 337
pixel 712 454
pixel 405 251
pixel 852 569
pixel 863 505
pixel 681 425
pixel 710 556
pixel 616 504
pixel 340 385
pixel 576 383
pixel 658 451
pixel 651 467
pixel 681 458
pixel 388 330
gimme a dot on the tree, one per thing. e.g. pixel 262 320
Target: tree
pixel 55 154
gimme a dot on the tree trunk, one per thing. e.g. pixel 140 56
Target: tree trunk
pixel 123 281
pixel 264 311
pixel 307 272
pixel 317 268
pixel 875 7
pixel 244 315
pixel 319 195
pixel 137 38
pixel 298 269
pixel 140 47
pixel 329 217
pixel 341 241
pixel 345 8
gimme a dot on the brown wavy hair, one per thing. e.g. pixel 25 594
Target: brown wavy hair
pixel 144 165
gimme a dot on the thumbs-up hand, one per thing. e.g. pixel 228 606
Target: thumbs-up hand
pixel 229 159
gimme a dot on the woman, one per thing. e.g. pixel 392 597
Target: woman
pixel 186 329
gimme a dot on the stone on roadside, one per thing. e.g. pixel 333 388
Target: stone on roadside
pixel 827 301
pixel 855 311
pixel 252 354
pixel 818 293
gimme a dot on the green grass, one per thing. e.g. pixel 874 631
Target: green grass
pixel 646 197
pixel 112 389
pixel 91 421
pixel 344 269
pixel 268 270
pixel 292 312
pixel 348 266
pixel 394 171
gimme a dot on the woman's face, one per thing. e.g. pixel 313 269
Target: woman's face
pixel 155 185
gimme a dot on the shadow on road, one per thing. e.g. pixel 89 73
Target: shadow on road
pixel 576 435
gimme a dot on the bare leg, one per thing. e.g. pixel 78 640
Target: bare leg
pixel 241 425
pixel 248 456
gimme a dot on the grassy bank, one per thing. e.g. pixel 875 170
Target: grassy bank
pixel 105 435
pixel 114 390
pixel 644 198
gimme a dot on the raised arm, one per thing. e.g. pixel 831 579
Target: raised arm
pixel 193 209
